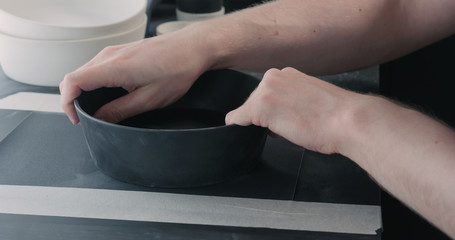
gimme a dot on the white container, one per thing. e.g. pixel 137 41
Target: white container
pixel 186 16
pixel 171 26
pixel 45 63
pixel 69 19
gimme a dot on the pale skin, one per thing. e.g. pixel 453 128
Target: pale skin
pixel 408 153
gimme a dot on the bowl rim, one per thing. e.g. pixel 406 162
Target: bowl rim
pixel 142 24
pixel 217 128
pixel 59 27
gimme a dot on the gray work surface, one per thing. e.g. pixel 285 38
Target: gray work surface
pixel 43 152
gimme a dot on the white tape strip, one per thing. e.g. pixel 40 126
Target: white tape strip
pixel 190 209
pixel 11 121
pixel 30 101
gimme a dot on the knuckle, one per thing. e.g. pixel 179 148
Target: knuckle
pixel 289 69
pixel 69 77
pixel 110 49
pixel 269 82
pixel 293 72
pixel 266 105
pixel 106 51
pixel 272 73
pixel 67 86
pixel 266 83
pixel 266 100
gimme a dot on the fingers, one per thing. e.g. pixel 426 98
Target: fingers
pixel 139 101
pixel 298 107
pixel 143 99
pixel 242 116
pixel 68 94
pixel 239 116
pixel 261 107
pixel 87 78
pixel 71 87
pixel 100 71
pixel 150 85
pixel 258 106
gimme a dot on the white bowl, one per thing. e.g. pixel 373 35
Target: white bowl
pixel 45 63
pixel 69 19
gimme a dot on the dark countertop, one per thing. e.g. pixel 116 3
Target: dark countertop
pixel 57 157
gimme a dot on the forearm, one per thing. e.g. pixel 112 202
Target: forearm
pixel 325 36
pixel 408 153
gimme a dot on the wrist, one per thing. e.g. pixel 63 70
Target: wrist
pixel 233 41
pixel 365 118
pixel 208 43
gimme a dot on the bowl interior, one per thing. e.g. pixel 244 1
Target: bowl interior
pixel 205 105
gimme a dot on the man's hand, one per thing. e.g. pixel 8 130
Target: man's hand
pixel 155 72
pixel 298 107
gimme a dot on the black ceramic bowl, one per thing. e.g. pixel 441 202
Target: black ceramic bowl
pixel 183 145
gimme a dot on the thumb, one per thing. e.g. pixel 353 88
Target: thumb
pixel 239 116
